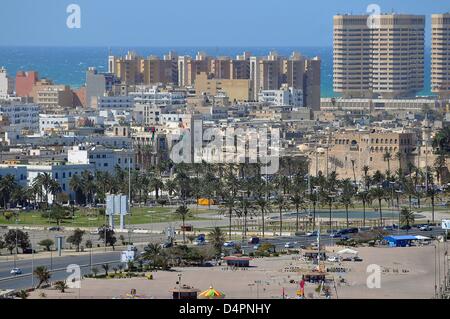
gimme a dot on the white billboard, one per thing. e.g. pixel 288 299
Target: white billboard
pixel 126 256
pixel 446 224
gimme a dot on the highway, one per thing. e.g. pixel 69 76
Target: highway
pixel 59 264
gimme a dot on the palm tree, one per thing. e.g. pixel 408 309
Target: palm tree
pixel 48 184
pixel 366 170
pixel 380 194
pixel 7 186
pixel 230 203
pixel 244 208
pixel 61 286
pixel 282 205
pixel 217 238
pixel 264 206
pixel 151 253
pixel 183 211
pixel 406 218
pixel 346 197
pixel 106 269
pixel 298 201
pixel 365 198
pixel 76 184
pixel 43 275
pixel 387 157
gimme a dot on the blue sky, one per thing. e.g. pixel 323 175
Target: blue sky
pixel 188 22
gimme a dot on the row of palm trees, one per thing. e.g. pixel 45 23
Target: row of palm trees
pixel 243 190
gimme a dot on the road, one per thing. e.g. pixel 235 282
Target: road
pixel 59 264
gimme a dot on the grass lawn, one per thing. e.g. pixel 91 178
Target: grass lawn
pixel 91 218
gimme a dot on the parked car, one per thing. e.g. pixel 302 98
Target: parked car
pixel 356 258
pixel 311 234
pixel 333 259
pixel 289 245
pixel 55 228
pixel 16 271
pixel 405 227
pixel 29 251
pixel 229 244
pixel 199 242
pixel 347 259
pixel 256 247
pixel 166 245
pixel 425 228
pixel 335 235
pixel 253 240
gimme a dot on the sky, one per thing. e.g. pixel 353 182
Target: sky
pixel 215 23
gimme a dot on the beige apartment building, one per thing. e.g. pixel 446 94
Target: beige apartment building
pixel 49 95
pixel 157 71
pixel 347 152
pixel 440 54
pixel 236 90
pixel 385 58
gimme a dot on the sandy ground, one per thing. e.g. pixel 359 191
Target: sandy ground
pixel 269 276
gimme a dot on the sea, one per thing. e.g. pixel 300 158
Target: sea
pixel 68 65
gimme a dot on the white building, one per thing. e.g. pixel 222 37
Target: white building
pixel 21 115
pixel 284 97
pixel 115 102
pixel 154 96
pixel 49 123
pixel 60 172
pixel 6 84
pixel 101 158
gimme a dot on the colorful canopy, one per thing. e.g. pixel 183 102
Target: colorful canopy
pixel 211 293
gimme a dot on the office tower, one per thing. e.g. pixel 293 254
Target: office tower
pixel 173 57
pixel 156 71
pixel 440 54
pixel 183 68
pixel 311 83
pixel 385 59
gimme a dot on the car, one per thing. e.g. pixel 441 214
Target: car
pixel 199 242
pixel 335 235
pixel 16 271
pixel 228 244
pixel 333 259
pixel 347 259
pixel 311 234
pixel 166 245
pixel 289 245
pixel 256 247
pixel 253 240
pixel 356 258
pixel 55 228
pixel 29 251
pixel 405 227
pixel 425 228
pixel 388 228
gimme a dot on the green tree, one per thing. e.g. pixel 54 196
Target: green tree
pixel 106 269
pixel 42 274
pixel 47 243
pixel 61 286
pixel 379 194
pixel 183 211
pixel 106 234
pixel 13 235
pixel 406 218
pixel 76 238
pixel 346 197
pixel 217 239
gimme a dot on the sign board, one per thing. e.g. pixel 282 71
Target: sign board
pixel 127 256
pixel 116 205
pixel 446 224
